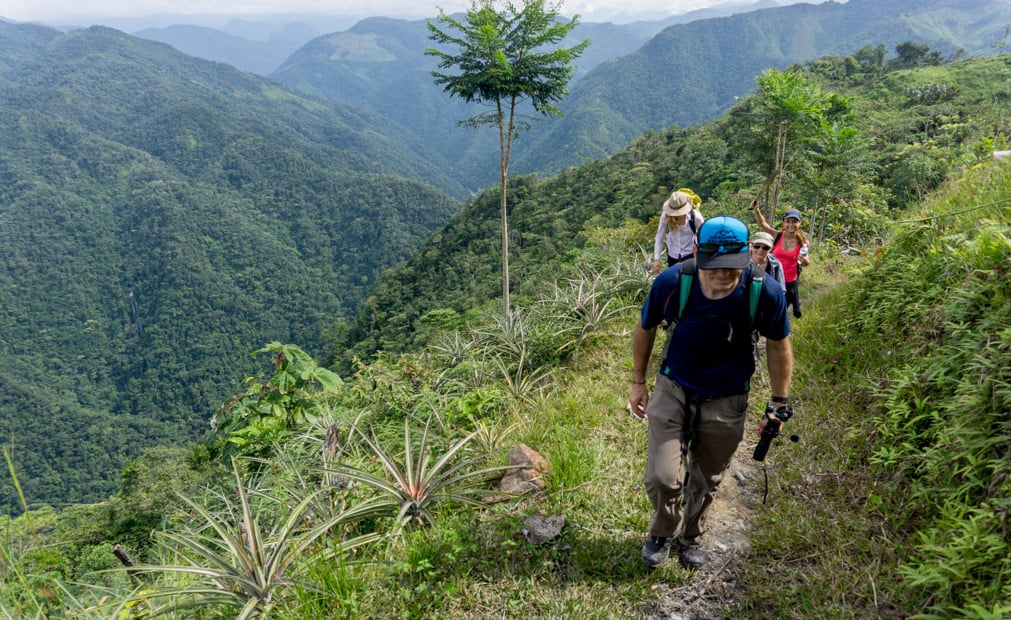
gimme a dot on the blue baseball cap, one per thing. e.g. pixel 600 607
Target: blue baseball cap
pixel 792 213
pixel 722 244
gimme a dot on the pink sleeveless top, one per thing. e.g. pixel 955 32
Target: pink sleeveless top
pixel 788 258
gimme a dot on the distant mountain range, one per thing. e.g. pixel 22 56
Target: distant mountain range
pixel 636 76
pixel 260 57
pixel 686 74
pixel 252 44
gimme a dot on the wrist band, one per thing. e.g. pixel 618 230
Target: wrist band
pixel 781 400
pixel 634 382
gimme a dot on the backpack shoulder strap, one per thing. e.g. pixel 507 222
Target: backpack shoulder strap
pixel 754 292
pixel 779 236
pixel 682 290
pixel 692 221
pixel 687 275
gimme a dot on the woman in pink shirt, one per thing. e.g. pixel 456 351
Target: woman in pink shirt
pixel 790 247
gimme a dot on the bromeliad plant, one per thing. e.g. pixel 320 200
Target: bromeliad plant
pixel 415 484
pixel 584 305
pixel 236 562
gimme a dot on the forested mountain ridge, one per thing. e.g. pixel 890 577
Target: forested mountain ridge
pixel 261 44
pixel 155 80
pixel 19 42
pixel 160 218
pixel 690 73
pixel 685 74
pixel 380 65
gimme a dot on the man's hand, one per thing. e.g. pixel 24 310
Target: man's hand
pixel 656 267
pixel 638 400
pixel 776 414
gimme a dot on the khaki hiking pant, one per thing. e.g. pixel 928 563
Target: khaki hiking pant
pixel 720 429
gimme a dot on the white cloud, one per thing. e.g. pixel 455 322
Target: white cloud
pixel 69 10
pixel 86 12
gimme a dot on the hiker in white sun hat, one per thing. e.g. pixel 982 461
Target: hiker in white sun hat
pixel 679 220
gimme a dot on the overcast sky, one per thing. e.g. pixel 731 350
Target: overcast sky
pixel 205 12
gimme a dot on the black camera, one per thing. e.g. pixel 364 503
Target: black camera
pixel 771 430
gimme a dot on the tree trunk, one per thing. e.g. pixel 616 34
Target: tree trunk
pixel 505 245
pixel 780 164
pixel 504 142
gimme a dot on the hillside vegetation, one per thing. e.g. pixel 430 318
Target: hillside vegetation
pixel 370 493
pixel 896 137
pixel 159 214
pixel 164 215
pixel 897 505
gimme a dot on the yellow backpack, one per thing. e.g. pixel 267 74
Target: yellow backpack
pixel 694 197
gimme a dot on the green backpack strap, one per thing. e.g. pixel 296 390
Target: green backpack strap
pixel 755 291
pixel 684 288
pixel 687 276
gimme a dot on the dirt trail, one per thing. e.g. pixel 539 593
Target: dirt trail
pixel 711 592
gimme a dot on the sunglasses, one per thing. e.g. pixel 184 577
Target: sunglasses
pixel 759 246
pixel 722 248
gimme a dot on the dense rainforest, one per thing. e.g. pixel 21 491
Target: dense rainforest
pixel 157 224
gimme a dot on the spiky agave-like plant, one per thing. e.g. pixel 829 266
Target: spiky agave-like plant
pixel 415 484
pixel 238 564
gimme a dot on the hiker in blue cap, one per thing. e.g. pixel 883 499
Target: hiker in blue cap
pixel 697 414
pixel 789 247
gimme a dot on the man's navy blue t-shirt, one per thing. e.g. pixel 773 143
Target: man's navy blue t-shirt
pixel 711 348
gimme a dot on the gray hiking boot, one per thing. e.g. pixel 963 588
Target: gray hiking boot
pixel 692 557
pixel 655 551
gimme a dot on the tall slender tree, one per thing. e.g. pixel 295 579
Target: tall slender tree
pixel 505 57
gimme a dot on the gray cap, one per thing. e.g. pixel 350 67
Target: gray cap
pixel 762 237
